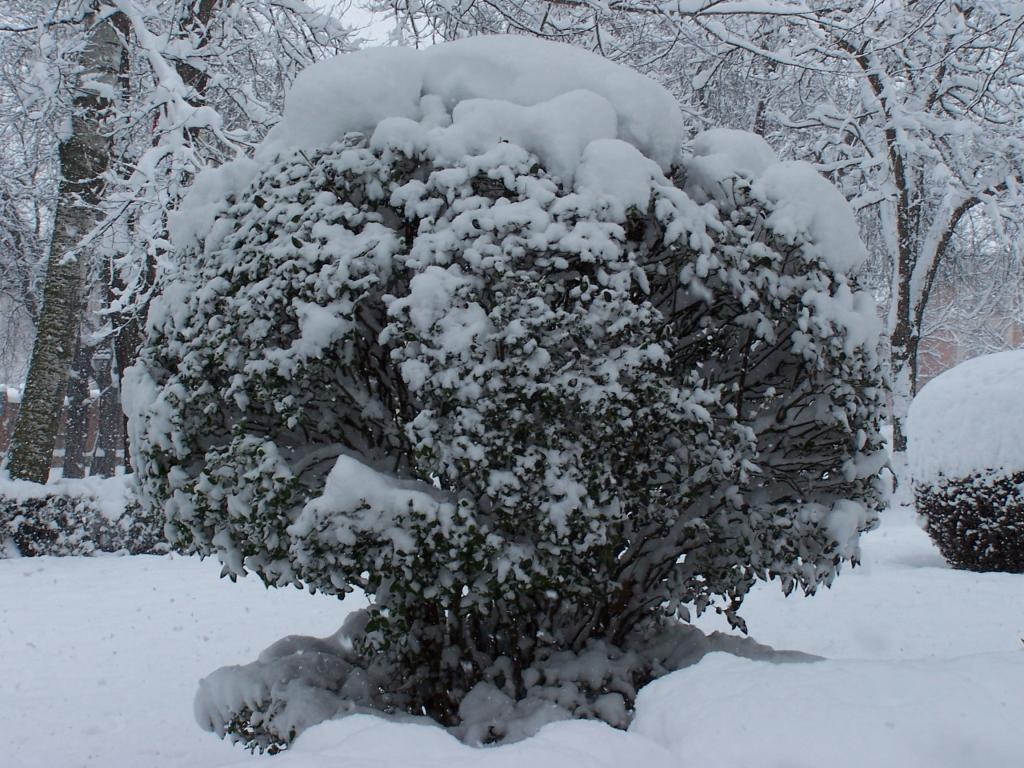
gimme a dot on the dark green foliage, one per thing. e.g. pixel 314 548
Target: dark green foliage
pixel 977 522
pixel 57 524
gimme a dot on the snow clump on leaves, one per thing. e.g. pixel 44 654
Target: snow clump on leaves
pixel 471 334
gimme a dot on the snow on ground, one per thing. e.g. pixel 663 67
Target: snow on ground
pixel 99 660
pixel 99 657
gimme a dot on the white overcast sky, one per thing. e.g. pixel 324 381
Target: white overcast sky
pixel 374 28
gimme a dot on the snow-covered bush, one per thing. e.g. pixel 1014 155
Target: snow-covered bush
pixel 473 336
pixel 967 461
pixel 75 517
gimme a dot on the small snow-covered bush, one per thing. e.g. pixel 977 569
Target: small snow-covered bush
pixel 75 517
pixel 471 335
pixel 966 456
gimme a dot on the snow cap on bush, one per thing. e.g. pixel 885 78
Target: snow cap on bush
pixel 969 420
pixel 463 98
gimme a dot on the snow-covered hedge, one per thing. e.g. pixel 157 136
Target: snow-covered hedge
pixel 75 517
pixel 472 335
pixel 966 456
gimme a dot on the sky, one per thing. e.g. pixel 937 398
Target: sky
pixel 374 27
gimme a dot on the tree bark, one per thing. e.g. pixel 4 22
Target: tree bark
pixel 84 158
pixel 76 417
pixel 108 434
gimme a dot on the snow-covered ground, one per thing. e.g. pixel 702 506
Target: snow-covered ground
pixel 99 659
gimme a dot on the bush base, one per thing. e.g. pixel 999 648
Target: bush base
pixel 977 522
pixel 301 681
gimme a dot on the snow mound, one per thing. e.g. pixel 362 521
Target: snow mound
pixel 296 673
pixel 939 713
pixel 969 419
pixel 300 682
pixel 462 98
pixel 364 740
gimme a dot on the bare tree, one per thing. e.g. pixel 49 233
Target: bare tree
pixel 977 302
pixel 28 185
pixel 184 85
pixel 84 160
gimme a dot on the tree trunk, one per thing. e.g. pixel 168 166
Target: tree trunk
pixel 903 366
pixel 76 418
pixel 108 433
pixel 84 158
pixel 126 347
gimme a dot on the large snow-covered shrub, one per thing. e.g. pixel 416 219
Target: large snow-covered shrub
pixel 966 457
pixel 473 336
